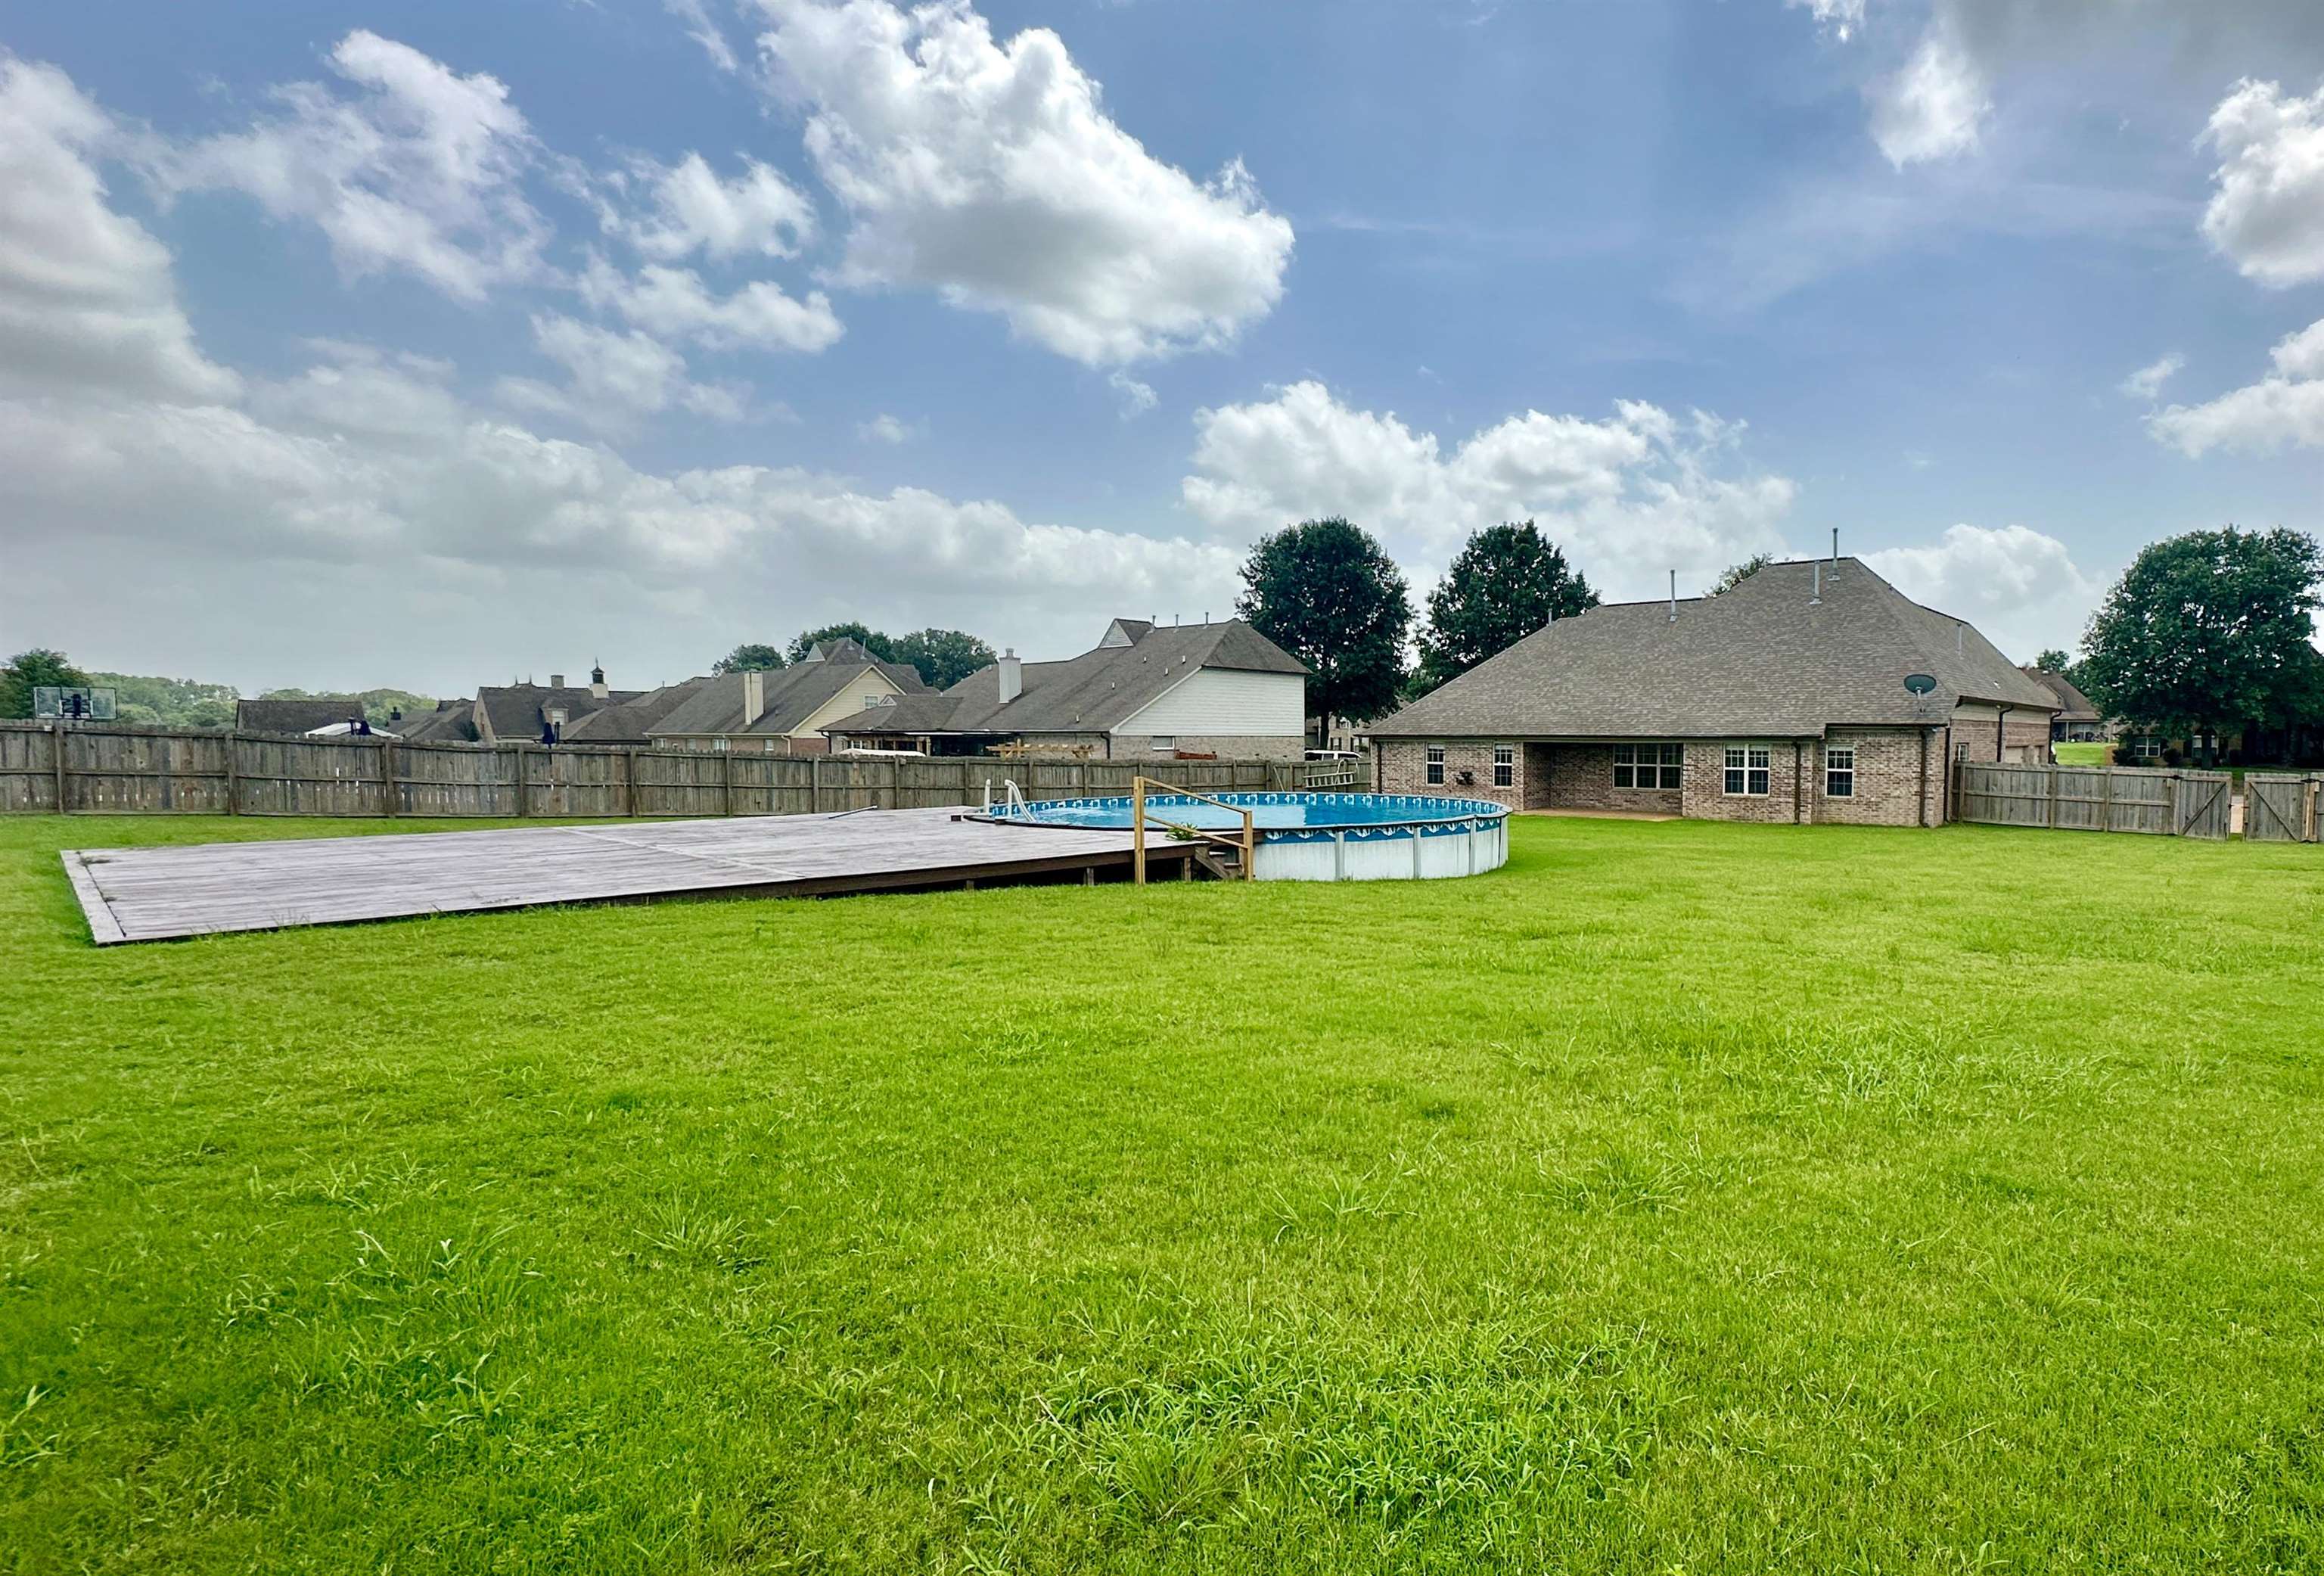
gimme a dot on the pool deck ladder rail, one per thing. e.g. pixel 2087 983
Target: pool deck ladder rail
pixel 1244 848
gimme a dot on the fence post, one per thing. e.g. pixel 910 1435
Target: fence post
pixel 815 785
pixel 523 780
pixel 387 777
pixel 56 760
pixel 726 782
pixel 630 782
pixel 2053 798
pixel 2106 802
pixel 967 779
pixel 2178 827
pixel 233 772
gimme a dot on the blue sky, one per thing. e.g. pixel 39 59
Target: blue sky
pixel 432 344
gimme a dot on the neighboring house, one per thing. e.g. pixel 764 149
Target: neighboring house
pixel 2078 721
pixel 453 722
pixel 784 711
pixel 303 716
pixel 1786 698
pixel 1206 689
pixel 540 713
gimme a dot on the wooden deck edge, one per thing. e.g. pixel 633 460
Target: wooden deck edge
pixel 104 929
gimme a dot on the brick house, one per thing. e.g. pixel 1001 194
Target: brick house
pixel 1811 692
pixel 1144 691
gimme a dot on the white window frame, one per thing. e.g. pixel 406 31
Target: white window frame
pixel 1158 742
pixel 1655 766
pixel 1747 762
pixel 1839 770
pixel 1505 766
pixel 1434 770
pixel 2146 747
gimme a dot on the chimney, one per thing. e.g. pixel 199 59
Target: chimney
pixel 597 682
pixel 754 696
pixel 557 681
pixel 1674 617
pixel 1012 676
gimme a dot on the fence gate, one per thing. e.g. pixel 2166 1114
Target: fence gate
pixel 2281 808
pixel 2163 804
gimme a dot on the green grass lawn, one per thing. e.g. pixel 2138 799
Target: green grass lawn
pixel 1683 1197
pixel 2071 754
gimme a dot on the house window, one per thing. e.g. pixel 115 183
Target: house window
pixel 874 698
pixel 1747 770
pixel 1504 765
pixel 1436 763
pixel 1649 766
pixel 2146 747
pixel 1840 773
pixel 1164 743
pixel 720 742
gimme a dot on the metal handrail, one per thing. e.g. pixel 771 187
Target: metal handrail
pixel 1247 842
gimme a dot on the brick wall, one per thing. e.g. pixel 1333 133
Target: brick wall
pixel 1887 779
pixel 1580 777
pixel 1706 797
pixel 1975 738
pixel 1403 769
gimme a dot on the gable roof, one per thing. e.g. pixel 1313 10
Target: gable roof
pixel 2074 706
pixel 452 721
pixel 1088 693
pixel 520 711
pixel 629 722
pixel 843 649
pixel 1763 658
pixel 302 715
pixel 793 695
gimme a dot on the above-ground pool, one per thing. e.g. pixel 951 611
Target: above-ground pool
pixel 1314 837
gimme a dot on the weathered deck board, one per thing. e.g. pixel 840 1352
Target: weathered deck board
pixel 155 894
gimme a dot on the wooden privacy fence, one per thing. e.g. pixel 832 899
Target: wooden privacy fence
pixel 127 770
pixel 2095 798
pixel 2282 807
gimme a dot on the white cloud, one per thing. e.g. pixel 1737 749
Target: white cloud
pixel 87 300
pixel 2284 408
pixel 2267 215
pixel 886 428
pixel 1136 398
pixel 417 169
pixel 1931 109
pixel 2147 381
pixel 674 304
pixel 689 209
pixel 1840 17
pixel 991 175
pixel 1634 496
pixel 704 31
pixel 2019 587
pixel 612 377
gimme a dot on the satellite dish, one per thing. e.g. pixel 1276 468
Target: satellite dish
pixel 1919 683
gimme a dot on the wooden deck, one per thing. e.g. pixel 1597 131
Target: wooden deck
pixel 157 894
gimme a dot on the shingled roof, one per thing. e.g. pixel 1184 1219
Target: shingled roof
pixel 631 721
pixel 1088 693
pixel 302 715
pixel 2074 707
pixel 793 695
pixel 1768 658
pixel 452 722
pixel 519 712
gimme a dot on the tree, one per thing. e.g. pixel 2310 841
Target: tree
pixel 750 656
pixel 1734 575
pixel 27 671
pixel 1508 582
pixel 871 640
pixel 1325 592
pixel 943 657
pixel 2207 632
pixel 2054 661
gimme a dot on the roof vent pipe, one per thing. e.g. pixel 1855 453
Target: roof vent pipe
pixel 1674 613
pixel 1961 639
pixel 1835 552
pixel 1816 598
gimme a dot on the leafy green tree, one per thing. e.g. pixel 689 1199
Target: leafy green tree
pixel 1325 592
pixel 871 640
pixel 2054 661
pixel 2207 632
pixel 750 656
pixel 943 657
pixel 1734 575
pixel 1508 581
pixel 181 703
pixel 27 671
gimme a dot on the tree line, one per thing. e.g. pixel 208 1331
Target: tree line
pixel 942 658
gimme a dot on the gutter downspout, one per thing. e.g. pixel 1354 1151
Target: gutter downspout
pixel 1925 775
pixel 1799 767
pixel 2000 734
